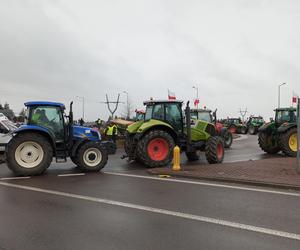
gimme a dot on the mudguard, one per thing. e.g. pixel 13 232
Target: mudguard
pixel 267 127
pixel 286 126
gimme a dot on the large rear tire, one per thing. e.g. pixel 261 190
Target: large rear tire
pixel 288 142
pixel 267 143
pixel 155 149
pixel 91 157
pixel 29 154
pixel 214 150
pixel 252 130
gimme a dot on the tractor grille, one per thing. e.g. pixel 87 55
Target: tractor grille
pixel 210 129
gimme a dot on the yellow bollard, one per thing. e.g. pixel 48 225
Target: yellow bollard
pixel 176 159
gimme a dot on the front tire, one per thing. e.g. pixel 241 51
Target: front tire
pixel 214 150
pixel 288 142
pixel 29 154
pixel 155 149
pixel 91 157
pixel 228 139
pixel 252 130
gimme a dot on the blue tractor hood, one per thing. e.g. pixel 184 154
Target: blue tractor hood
pixel 86 133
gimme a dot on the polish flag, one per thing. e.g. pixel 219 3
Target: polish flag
pixel 171 95
pixel 295 98
pixel 196 102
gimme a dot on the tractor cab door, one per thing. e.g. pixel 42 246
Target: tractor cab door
pixel 49 117
pixel 174 116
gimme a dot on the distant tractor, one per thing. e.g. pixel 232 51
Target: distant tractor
pixel 209 116
pixel 152 140
pixel 50 133
pixel 139 115
pixel 254 123
pixel 235 125
pixel 281 134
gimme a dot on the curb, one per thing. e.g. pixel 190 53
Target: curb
pixel 235 181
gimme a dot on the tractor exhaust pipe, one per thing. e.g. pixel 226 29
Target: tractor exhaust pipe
pixel 188 122
pixel 71 113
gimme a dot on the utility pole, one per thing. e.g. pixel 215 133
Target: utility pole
pixel 279 93
pixel 243 113
pixel 82 99
pixel 127 108
pixel 298 136
pixel 112 111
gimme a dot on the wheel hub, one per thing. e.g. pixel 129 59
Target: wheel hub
pixel 29 154
pixel 92 157
pixel 158 149
pixel 293 142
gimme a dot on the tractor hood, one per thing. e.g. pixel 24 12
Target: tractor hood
pixel 133 128
pixel 86 133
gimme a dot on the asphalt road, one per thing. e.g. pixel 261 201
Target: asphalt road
pixel 123 208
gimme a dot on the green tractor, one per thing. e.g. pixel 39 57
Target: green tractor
pixel 211 117
pixel 152 140
pixel 235 125
pixel 281 134
pixel 254 123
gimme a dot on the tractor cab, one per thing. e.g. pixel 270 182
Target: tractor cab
pixel 202 114
pixel 285 115
pixel 139 115
pixel 169 112
pixel 49 116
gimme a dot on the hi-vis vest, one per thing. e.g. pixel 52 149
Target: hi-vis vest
pixel 110 130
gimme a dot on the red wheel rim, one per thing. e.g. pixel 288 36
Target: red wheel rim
pixel 158 149
pixel 220 151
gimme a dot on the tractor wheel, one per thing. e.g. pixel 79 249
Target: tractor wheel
pixel 91 156
pixel 228 139
pixel 74 160
pixel 288 142
pixel 243 130
pixel 265 142
pixel 29 154
pixel 214 150
pixel 128 143
pixel 155 149
pixel 192 156
pixel 252 130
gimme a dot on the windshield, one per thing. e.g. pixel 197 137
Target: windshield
pixel 204 116
pixel 286 116
pixel 148 114
pixel 258 120
pixel 139 116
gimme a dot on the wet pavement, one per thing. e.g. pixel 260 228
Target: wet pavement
pixel 109 210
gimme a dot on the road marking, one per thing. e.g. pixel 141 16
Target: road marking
pixel 69 175
pixel 161 211
pixel 15 178
pixel 205 184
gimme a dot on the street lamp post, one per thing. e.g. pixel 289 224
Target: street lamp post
pixel 197 95
pixel 82 98
pixel 279 93
pixel 127 103
pixel 298 136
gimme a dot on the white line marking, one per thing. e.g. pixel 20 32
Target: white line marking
pixel 162 211
pixel 206 184
pixel 15 178
pixel 69 175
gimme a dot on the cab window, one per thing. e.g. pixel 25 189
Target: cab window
pixel 158 112
pixel 173 115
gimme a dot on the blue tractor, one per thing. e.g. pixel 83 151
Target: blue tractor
pixel 50 133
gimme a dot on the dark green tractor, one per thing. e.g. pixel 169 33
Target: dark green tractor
pixel 254 123
pixel 152 140
pixel 235 125
pixel 281 134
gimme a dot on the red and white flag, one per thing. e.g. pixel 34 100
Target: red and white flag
pixel 196 102
pixel 171 95
pixel 295 98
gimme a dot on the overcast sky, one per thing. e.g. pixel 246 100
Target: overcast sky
pixel 237 52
